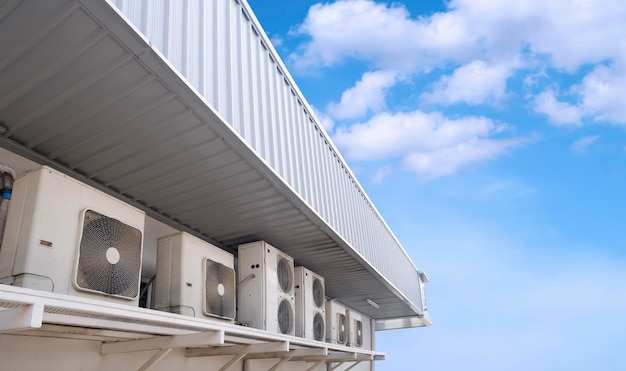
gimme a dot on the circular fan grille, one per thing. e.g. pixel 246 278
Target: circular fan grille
pixel 109 256
pixel 285 317
pixel 220 290
pixel 341 328
pixel 318 327
pixel 285 275
pixel 359 333
pixel 318 292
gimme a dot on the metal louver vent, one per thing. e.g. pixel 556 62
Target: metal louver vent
pixel 285 316
pixel 342 330
pixel 109 259
pixel 358 333
pixel 284 271
pixel 318 327
pixel 219 290
pixel 318 293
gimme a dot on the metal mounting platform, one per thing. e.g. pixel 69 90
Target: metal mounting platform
pixel 127 329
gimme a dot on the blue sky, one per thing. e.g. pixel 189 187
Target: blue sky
pixel 490 134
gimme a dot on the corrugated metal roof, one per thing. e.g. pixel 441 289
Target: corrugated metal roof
pixel 83 91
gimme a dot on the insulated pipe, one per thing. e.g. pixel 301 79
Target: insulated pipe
pixel 8 176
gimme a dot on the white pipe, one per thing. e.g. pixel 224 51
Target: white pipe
pixel 7 169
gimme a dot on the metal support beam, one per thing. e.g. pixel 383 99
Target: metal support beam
pixel 317 364
pixel 234 360
pixel 279 346
pixel 21 318
pixel 280 362
pixel 340 358
pixel 209 338
pixel 155 359
pixel 303 354
pixel 353 365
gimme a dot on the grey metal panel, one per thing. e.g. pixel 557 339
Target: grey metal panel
pixel 82 91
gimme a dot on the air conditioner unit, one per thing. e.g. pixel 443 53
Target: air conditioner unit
pixel 337 322
pixel 360 329
pixel 310 300
pixel 265 288
pixel 65 237
pixel 194 278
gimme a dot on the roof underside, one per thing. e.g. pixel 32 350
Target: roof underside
pixel 82 91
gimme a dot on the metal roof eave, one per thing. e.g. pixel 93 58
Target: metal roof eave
pixel 157 67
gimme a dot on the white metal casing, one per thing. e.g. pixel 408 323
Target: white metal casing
pixel 180 276
pixel 336 331
pixel 307 305
pixel 259 293
pixel 364 338
pixel 44 228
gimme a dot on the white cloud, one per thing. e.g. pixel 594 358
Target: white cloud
pixel 570 33
pixel 583 143
pixel 473 83
pixel 382 34
pixel 429 144
pixel 600 98
pixel 450 160
pixel 559 113
pixel 367 95
pixel 487 41
pixel 602 92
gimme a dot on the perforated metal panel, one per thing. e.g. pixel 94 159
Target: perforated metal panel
pixel 319 328
pixel 318 293
pixel 342 328
pixel 284 270
pixel 109 256
pixel 219 290
pixel 285 316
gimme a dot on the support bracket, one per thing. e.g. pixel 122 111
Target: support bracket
pixel 208 338
pixel 21 318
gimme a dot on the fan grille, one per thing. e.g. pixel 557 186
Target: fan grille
pixel 318 292
pixel 285 316
pixel 285 275
pixel 358 333
pixel 109 256
pixel 318 327
pixel 219 289
pixel 341 328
